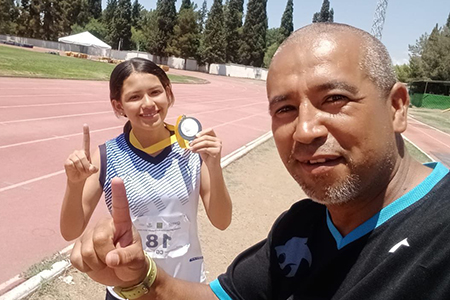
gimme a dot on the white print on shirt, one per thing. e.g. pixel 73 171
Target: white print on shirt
pixel 398 245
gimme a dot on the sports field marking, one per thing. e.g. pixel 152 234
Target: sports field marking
pixel 57 137
pixel 47 95
pixel 49 104
pixel 10 187
pixel 244 118
pixel 56 117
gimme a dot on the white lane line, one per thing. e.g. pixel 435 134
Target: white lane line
pixel 237 120
pixel 49 104
pixel 46 95
pixel 10 187
pixel 434 128
pixel 57 137
pixel 56 117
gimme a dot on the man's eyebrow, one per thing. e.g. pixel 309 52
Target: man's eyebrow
pixel 337 85
pixel 276 99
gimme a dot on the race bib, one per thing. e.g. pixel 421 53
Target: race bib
pixel 164 236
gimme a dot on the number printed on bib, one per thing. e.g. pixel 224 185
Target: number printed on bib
pixel 164 236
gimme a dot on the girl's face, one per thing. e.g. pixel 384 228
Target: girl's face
pixel 144 101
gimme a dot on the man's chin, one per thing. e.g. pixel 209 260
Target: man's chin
pixel 332 194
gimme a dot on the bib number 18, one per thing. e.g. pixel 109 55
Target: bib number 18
pixel 153 240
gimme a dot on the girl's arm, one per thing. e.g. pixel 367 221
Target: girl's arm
pixel 83 190
pixel 213 190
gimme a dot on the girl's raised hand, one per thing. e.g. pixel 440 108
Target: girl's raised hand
pixel 208 145
pixel 78 165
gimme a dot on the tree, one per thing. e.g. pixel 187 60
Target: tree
pixel 7 16
pixel 253 45
pixel 138 39
pixel 448 21
pixel 325 14
pixel 117 17
pixel 233 29
pixel 136 14
pixel 202 14
pixel 186 40
pixel 166 20
pixel 52 20
pixel 287 20
pixel 270 53
pixel 403 72
pixel 95 8
pixel 23 20
pixel 436 55
pixel 149 23
pixel 35 24
pixel 214 40
pixel 185 4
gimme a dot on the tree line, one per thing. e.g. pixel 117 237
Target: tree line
pixel 429 57
pixel 221 35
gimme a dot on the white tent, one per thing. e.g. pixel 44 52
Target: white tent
pixel 84 39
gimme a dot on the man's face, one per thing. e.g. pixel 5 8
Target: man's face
pixel 332 126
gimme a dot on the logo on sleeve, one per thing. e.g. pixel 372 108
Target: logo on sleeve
pixel 398 245
pixel 292 254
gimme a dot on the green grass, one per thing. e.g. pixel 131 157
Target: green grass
pixel 18 62
pixel 433 117
pixel 416 153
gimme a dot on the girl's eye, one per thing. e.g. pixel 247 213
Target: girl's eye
pixel 134 98
pixel 155 92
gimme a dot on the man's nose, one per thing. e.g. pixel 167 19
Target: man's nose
pixel 309 126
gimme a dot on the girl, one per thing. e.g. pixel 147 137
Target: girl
pixel 163 183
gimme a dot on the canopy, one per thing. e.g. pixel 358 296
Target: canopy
pixel 84 39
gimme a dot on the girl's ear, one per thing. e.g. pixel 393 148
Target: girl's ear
pixel 118 108
pixel 170 95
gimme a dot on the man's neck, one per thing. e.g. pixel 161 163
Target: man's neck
pixel 406 175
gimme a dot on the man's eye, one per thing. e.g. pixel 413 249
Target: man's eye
pixel 285 109
pixel 335 98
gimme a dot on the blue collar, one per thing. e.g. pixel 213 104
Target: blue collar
pixel 439 171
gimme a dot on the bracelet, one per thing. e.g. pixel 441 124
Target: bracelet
pixel 142 288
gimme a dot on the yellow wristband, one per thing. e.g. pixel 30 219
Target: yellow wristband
pixel 142 288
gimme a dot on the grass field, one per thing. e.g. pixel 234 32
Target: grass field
pixel 18 62
pixel 433 117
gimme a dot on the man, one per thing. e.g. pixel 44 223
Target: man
pixel 377 226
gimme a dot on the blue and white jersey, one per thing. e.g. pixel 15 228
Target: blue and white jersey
pixel 163 194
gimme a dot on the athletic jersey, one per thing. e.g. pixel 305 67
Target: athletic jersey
pixel 163 194
pixel 402 252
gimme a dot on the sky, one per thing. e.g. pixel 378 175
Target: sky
pixel 405 22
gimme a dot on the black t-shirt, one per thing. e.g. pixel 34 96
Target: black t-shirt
pixel 402 252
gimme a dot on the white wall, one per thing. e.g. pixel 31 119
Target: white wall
pixel 234 70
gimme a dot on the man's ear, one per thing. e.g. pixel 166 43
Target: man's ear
pixel 399 99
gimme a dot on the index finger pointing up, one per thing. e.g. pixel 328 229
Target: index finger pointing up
pixel 86 141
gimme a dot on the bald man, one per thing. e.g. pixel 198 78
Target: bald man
pixel 376 225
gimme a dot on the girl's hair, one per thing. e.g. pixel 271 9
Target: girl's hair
pixel 137 65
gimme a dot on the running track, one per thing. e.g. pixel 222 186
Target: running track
pixel 41 124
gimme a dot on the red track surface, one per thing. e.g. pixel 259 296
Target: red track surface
pixel 41 124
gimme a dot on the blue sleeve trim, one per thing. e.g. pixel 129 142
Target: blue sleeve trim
pixel 219 291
